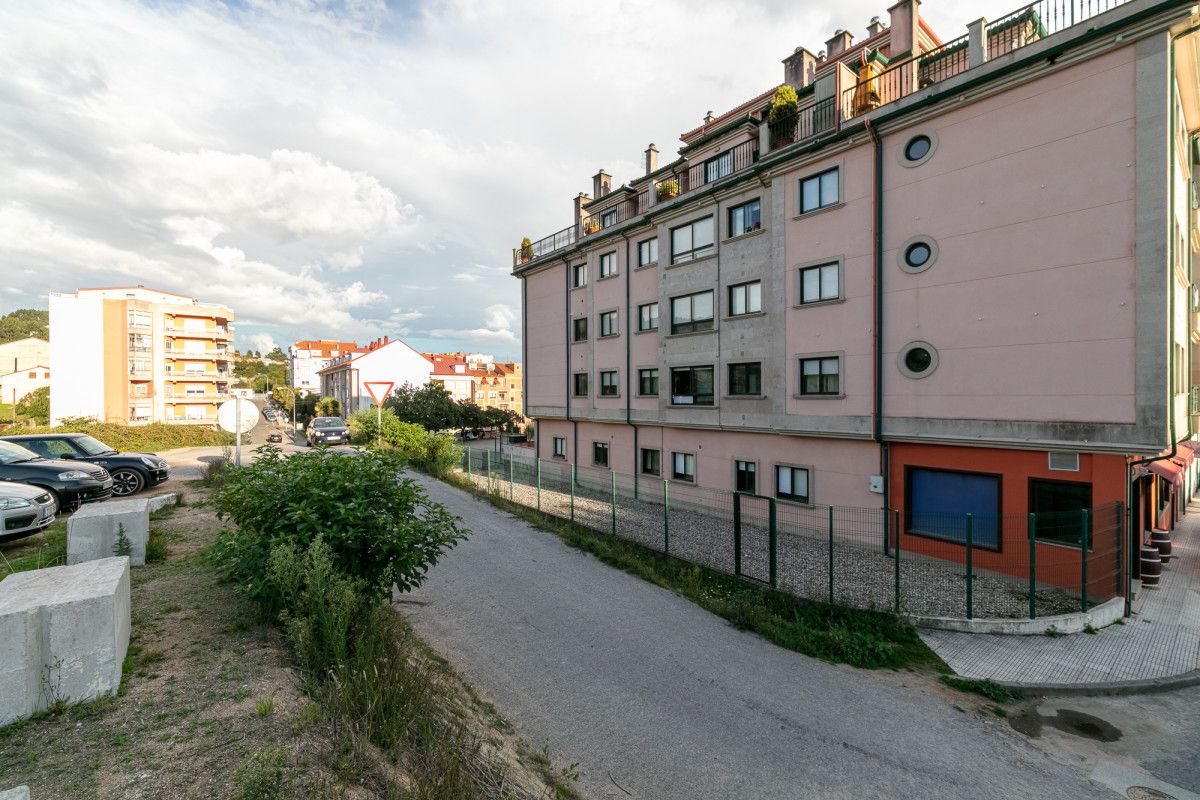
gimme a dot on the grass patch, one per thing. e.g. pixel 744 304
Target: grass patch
pixel 145 438
pixel 989 689
pixel 833 633
pixel 156 547
pixel 46 549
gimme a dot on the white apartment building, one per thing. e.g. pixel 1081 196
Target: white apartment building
pixel 382 361
pixel 307 358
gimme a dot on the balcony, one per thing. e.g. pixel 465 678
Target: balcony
pixel 219 332
pixel 806 123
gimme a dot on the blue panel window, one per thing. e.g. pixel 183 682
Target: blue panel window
pixel 938 502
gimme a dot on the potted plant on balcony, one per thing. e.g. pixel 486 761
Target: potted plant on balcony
pixel 526 250
pixel 667 189
pixel 591 225
pixel 784 107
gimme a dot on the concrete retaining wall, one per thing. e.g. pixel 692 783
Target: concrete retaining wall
pixel 64 632
pixel 1101 616
pixel 19 793
pixel 93 530
pixel 161 501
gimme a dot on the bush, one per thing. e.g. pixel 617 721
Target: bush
pixel 327 407
pixel 784 104
pixel 151 438
pixel 436 453
pixel 36 405
pixel 381 529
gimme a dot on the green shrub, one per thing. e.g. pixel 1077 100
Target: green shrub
pixel 36 405
pixel 784 104
pixel 381 529
pixel 436 453
pixel 151 438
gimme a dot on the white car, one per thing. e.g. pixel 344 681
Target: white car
pixel 24 510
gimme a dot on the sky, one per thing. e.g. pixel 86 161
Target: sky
pixel 349 169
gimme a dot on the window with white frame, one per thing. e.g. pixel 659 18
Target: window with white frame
pixel 692 241
pixel 683 466
pixel 820 283
pixel 745 298
pixel 648 317
pixel 692 313
pixel 608 323
pixel 819 191
pixel 608 264
pixel 745 218
pixel 821 375
pixel 608 383
pixel 791 483
pixel 648 252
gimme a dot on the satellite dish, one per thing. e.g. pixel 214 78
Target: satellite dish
pixel 227 415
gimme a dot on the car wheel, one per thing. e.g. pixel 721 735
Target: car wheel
pixel 127 482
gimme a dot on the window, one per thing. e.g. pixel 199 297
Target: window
pixel 917 254
pixel 580 275
pixel 560 447
pixel 600 454
pixel 648 252
pixel 579 329
pixel 918 359
pixel 683 467
pixel 692 313
pixel 937 503
pixel 608 323
pixel 745 298
pixel 917 150
pixel 692 386
pixel 648 317
pixel 791 483
pixel 692 241
pixel 745 476
pixel 820 375
pixel 745 379
pixel 745 218
pixel 608 265
pixel 608 383
pixel 820 283
pixel 606 219
pixel 648 382
pixel 1059 506
pixel 581 387
pixel 650 462
pixel 819 191
pixel 718 167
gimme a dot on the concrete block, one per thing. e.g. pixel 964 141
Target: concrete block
pixel 65 632
pixel 161 501
pixel 19 793
pixel 92 531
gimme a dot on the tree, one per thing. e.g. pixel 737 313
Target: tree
pixel 277 355
pixel 327 407
pixel 498 418
pixel 36 405
pixel 25 322
pixel 470 415
pixel 430 406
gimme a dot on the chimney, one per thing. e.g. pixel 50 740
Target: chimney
pixel 874 27
pixel 798 68
pixel 385 340
pixel 904 20
pixel 580 199
pixel 601 184
pixel 821 57
pixel 651 158
pixel 839 43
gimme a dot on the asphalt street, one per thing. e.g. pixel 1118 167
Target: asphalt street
pixel 657 699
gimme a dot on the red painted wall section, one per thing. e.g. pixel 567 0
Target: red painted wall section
pixel 1056 564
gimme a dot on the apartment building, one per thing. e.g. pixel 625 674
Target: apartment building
pixel 480 379
pixel 133 355
pixel 958 279
pixel 308 357
pixel 385 360
pixel 24 368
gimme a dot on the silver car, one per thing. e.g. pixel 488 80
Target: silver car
pixel 24 510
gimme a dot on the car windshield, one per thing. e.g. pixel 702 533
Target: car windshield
pixel 14 454
pixel 93 447
pixel 328 422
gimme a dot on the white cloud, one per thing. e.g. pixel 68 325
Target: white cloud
pixel 261 342
pixel 498 321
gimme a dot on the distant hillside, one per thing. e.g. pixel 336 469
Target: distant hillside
pixel 25 322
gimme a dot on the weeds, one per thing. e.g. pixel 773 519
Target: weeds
pixel 985 688
pixel 156 547
pixel 268 776
pixel 265 708
pixel 48 549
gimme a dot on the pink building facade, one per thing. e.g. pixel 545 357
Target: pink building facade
pixel 960 274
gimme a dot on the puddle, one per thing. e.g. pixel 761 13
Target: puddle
pixel 1066 720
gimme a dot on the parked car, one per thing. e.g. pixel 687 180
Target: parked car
pixel 327 430
pixel 274 437
pixel 24 510
pixel 70 483
pixel 131 472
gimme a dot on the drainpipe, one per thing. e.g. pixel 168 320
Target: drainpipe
pixel 567 354
pixel 877 245
pixel 629 362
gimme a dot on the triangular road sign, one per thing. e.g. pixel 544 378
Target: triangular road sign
pixel 380 396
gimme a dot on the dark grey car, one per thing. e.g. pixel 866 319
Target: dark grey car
pixel 327 430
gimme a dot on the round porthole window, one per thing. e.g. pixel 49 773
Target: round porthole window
pixel 918 359
pixel 917 254
pixel 918 149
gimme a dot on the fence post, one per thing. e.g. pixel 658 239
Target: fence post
pixel 737 533
pixel 489 470
pixel 970 574
pixel 1084 541
pixel 1033 566
pixel 1120 535
pixel 886 545
pixel 510 477
pixel 895 547
pixel 831 555
pixel 666 518
pixel 539 483
pixel 772 539
pixel 613 474
pixel 572 493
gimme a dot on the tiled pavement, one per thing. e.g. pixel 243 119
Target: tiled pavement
pixel 1160 640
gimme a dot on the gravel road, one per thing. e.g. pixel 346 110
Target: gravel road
pixel 658 699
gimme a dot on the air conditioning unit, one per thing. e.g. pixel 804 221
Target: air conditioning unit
pixel 1062 461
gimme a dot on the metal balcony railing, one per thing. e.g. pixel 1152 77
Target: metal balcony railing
pixel 726 163
pixel 813 120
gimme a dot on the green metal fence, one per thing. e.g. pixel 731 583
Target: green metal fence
pixel 999 566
